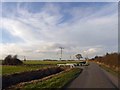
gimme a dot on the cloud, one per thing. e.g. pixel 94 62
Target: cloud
pixel 92 51
pixel 44 31
pixel 20 30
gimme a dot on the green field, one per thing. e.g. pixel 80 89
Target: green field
pixel 57 81
pixel 48 62
pixel 31 65
pixel 17 69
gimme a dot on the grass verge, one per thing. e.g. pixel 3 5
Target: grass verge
pixel 56 81
pixel 110 70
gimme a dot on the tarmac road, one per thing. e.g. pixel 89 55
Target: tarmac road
pixel 94 76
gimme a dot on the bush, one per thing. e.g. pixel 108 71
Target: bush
pixel 9 60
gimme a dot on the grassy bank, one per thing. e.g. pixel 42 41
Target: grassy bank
pixel 56 81
pixel 112 71
pixel 110 62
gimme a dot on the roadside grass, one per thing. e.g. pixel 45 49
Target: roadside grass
pixel 58 81
pixel 7 69
pixel 112 71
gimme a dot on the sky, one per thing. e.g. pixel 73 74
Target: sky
pixel 37 29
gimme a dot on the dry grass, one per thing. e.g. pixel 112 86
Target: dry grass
pixel 110 61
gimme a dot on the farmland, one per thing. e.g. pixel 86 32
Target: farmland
pixel 31 65
pixel 17 69
pixel 49 62
pixel 34 70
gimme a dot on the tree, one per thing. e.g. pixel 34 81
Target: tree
pixel 86 58
pixel 107 54
pixel 78 56
pixel 16 61
pixel 96 57
pixel 9 60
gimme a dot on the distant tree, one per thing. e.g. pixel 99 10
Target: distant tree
pixel 107 53
pixel 86 58
pixel 15 57
pixel 93 59
pixel 96 57
pixel 9 60
pixel 78 56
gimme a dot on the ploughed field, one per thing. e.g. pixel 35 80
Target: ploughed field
pixel 45 74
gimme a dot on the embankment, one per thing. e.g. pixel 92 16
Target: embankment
pixel 8 80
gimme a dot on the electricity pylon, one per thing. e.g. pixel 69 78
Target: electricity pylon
pixel 61 52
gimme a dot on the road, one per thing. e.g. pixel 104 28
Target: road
pixel 94 76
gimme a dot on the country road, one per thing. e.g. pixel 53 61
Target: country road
pixel 94 76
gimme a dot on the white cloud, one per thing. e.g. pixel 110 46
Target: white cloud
pixel 91 51
pixel 43 33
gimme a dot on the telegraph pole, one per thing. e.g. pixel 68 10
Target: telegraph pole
pixel 70 57
pixel 61 52
pixel 24 58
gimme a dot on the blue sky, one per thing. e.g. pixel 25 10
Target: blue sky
pixel 37 29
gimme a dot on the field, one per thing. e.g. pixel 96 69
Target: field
pixel 48 62
pixel 31 65
pixel 17 69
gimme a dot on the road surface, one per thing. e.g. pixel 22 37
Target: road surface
pixel 94 76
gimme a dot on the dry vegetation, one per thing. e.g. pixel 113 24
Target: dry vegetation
pixel 110 61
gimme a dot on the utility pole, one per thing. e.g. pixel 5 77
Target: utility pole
pixel 70 57
pixel 61 52
pixel 24 58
